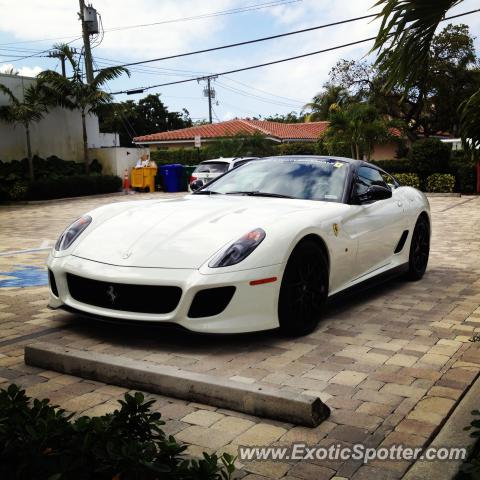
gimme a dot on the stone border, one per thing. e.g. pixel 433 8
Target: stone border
pixel 451 434
pixel 442 194
pixel 261 401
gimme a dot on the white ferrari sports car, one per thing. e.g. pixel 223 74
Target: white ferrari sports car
pixel 263 246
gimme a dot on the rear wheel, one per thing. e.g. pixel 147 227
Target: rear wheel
pixel 419 250
pixel 304 289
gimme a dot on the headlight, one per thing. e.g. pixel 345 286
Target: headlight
pixel 72 232
pixel 239 250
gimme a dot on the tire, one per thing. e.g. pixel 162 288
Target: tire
pixel 304 289
pixel 419 250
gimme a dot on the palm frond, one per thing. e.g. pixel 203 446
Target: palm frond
pixel 470 124
pixel 64 50
pixel 405 36
pixel 107 74
pixel 6 91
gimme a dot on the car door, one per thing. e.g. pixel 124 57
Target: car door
pixel 377 225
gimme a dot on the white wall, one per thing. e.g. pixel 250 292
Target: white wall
pixel 115 160
pixel 58 133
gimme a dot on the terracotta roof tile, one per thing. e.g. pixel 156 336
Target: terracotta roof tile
pixel 281 131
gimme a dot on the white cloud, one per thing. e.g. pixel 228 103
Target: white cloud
pixel 22 71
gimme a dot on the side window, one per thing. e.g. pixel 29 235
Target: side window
pixel 389 180
pixel 366 178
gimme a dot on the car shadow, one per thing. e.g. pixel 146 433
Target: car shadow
pixel 147 336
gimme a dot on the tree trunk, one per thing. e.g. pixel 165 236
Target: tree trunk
pixel 357 151
pixel 29 153
pixel 85 143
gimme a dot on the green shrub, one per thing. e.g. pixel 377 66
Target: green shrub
pixel 394 166
pixel 38 440
pixel 73 186
pixel 429 156
pixel 472 466
pixel 408 179
pixel 465 171
pixel 440 183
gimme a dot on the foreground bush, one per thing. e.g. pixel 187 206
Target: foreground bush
pixel 38 440
pixel 408 179
pixel 440 183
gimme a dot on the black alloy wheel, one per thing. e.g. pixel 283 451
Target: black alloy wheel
pixel 304 289
pixel 419 249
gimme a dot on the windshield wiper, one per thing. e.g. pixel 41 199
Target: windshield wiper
pixel 207 192
pixel 258 193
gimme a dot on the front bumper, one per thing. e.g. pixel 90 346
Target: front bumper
pixel 252 308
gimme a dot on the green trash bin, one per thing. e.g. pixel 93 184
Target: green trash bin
pixel 186 174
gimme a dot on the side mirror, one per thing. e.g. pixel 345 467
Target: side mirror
pixel 376 192
pixel 196 184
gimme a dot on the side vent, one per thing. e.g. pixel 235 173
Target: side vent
pixel 401 242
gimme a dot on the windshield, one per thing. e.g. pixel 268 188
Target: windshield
pixel 212 167
pixel 309 179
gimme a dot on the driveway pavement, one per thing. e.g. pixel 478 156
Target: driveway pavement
pixel 391 363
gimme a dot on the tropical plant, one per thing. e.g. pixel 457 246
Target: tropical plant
pixel 404 44
pixel 73 93
pixel 25 110
pixel 357 127
pixel 39 440
pixel 326 101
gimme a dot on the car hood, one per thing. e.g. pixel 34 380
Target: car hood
pixel 182 232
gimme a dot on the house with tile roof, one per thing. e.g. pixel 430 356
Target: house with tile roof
pixel 275 131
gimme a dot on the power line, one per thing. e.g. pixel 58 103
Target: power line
pixel 248 42
pixel 232 11
pixel 248 8
pixel 274 62
pixel 251 67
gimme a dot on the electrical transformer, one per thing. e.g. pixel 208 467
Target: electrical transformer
pixel 91 20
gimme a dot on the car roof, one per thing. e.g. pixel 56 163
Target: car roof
pixel 227 159
pixel 317 157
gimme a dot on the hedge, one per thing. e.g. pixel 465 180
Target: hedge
pixel 73 186
pixel 41 441
pixel 408 179
pixel 429 156
pixel 440 183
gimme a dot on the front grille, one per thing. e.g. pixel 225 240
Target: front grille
pixel 210 301
pixel 122 296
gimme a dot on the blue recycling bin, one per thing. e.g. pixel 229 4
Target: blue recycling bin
pixel 172 177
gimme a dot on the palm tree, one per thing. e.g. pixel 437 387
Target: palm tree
pixel 403 44
pixel 330 97
pixel 74 94
pixel 357 127
pixel 31 108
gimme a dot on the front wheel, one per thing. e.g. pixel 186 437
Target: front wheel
pixel 304 289
pixel 419 250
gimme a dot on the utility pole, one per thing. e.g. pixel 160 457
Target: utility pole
pixel 209 92
pixel 89 26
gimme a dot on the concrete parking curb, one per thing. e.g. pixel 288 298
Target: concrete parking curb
pixel 261 401
pixel 452 434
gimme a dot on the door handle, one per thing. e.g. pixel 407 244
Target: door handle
pixel 399 203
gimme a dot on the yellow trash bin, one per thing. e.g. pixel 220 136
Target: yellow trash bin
pixel 144 178
pixel 149 177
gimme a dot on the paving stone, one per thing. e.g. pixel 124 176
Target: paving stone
pixel 349 378
pixel 204 418
pixel 205 437
pixel 260 434
pixel 309 471
pixel 233 424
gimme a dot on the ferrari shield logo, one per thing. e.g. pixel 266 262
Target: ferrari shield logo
pixel 335 229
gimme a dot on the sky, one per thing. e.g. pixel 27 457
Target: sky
pixel 28 27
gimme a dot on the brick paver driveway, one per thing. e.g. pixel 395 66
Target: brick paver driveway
pixel 391 363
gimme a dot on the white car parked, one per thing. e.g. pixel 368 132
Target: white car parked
pixel 210 169
pixel 261 247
